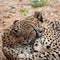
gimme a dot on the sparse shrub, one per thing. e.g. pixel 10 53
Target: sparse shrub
pixel 38 3
pixel 23 11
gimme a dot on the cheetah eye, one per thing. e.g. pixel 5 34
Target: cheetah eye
pixel 14 31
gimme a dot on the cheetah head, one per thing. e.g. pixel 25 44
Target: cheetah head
pixel 28 28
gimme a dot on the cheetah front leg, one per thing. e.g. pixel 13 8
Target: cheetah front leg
pixel 12 54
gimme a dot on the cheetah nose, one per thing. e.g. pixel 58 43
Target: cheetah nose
pixel 39 33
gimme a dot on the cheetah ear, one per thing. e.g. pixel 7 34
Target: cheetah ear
pixel 15 21
pixel 38 15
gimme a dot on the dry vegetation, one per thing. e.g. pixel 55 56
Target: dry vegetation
pixel 10 11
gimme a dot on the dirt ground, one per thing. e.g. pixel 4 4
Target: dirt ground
pixel 10 11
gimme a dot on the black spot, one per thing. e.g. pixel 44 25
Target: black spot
pixel 6 33
pixel 40 56
pixel 35 51
pixel 59 55
pixel 48 40
pixel 17 54
pixel 7 36
pixel 48 55
pixel 46 58
pixel 10 45
pixel 53 55
pixel 12 51
pixel 31 49
pixel 22 52
pixel 54 34
pixel 31 52
pixel 35 55
pixel 55 43
pixel 15 58
pixel 43 53
pixel 46 43
pixel 27 41
pixel 26 48
pixel 48 47
pixel 36 44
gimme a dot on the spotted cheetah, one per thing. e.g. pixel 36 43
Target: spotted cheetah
pixel 46 44
pixel 22 34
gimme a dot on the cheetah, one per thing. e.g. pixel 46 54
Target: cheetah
pixel 22 34
pixel 44 46
pixel 47 47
